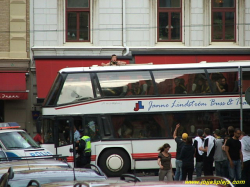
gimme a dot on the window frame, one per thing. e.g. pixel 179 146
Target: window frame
pixel 78 11
pixel 223 10
pixel 169 11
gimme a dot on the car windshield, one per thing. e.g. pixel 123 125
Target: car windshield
pixel 17 140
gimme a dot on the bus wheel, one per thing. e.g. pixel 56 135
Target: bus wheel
pixel 114 162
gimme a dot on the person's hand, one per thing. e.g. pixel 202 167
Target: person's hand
pixel 103 64
pixel 76 148
pixel 161 167
pixel 231 164
pixel 223 147
pixel 178 125
pixel 200 148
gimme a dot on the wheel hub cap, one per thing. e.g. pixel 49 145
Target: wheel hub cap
pixel 114 162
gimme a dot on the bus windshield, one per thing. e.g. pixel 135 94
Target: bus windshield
pixel 17 140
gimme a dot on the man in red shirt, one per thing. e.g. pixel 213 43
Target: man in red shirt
pixel 38 138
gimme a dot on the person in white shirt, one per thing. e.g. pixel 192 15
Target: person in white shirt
pixel 245 149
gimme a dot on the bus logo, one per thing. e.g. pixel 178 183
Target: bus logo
pixel 138 106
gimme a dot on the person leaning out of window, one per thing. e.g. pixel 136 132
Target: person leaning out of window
pixel 164 161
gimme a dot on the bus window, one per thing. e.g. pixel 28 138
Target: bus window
pixel 223 80
pixel 92 128
pixel 76 87
pixel 245 79
pixel 175 82
pixel 55 90
pixel 121 84
pixel 139 126
pixel 64 132
pixel 47 131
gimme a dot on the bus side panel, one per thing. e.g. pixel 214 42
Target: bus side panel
pixel 145 152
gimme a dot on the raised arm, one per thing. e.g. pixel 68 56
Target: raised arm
pixel 121 63
pixel 175 131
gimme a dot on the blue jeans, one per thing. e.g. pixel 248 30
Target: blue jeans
pixel 198 168
pixel 235 172
pixel 221 168
pixel 178 172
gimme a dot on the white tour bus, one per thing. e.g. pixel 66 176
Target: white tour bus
pixel 130 111
pixel 17 144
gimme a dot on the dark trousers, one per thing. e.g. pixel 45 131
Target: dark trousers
pixel 245 175
pixel 208 166
pixel 82 161
pixel 187 169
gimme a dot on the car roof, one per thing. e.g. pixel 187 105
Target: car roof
pixel 125 184
pixel 28 164
pixel 55 175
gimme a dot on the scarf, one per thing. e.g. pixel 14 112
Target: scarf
pixel 210 143
pixel 200 144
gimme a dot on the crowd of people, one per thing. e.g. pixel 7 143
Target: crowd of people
pixel 228 150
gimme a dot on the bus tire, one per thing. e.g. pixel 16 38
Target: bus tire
pixel 114 162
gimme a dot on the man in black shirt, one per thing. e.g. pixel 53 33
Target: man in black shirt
pixel 208 149
pixel 180 143
pixel 234 155
pixel 198 142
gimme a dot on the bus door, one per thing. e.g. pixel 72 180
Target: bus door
pixel 64 136
pixel 58 134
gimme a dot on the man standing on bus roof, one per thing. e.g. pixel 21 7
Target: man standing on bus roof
pixel 84 150
pixel 114 62
pixel 180 144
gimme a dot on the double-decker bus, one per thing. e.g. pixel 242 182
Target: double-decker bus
pixel 130 111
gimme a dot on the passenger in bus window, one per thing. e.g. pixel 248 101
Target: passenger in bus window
pixel 137 88
pixel 206 88
pixel 199 86
pixel 125 131
pixel 114 62
pixel 180 87
pixel 222 85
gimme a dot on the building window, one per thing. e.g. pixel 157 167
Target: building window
pixel 77 20
pixel 169 20
pixel 223 20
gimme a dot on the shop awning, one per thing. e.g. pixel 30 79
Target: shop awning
pixel 13 86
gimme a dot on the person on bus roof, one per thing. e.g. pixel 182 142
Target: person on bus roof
pixel 114 62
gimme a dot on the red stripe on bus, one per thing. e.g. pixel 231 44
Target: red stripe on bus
pixel 136 99
pixel 71 158
pixel 134 156
pixel 149 155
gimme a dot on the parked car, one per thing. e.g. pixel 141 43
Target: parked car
pixel 29 164
pixel 204 181
pixel 42 176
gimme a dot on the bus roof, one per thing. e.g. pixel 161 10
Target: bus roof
pixel 232 64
